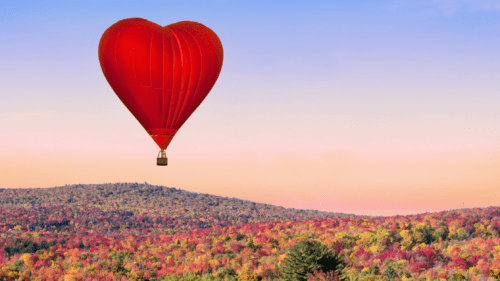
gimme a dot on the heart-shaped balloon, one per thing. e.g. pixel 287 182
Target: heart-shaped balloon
pixel 161 74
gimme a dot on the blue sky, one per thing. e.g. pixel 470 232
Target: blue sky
pixel 283 44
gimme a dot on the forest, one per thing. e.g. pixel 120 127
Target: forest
pixel 132 231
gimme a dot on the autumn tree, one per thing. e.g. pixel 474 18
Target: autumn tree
pixel 308 256
pixel 441 234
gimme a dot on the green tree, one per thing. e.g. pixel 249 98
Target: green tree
pixel 239 236
pixel 457 277
pixel 226 273
pixel 18 265
pixel 373 270
pixel 120 257
pixel 308 256
pixel 441 234
pixel 390 271
pixel 423 233
pixel 406 274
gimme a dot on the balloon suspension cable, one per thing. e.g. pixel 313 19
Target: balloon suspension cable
pixel 162 154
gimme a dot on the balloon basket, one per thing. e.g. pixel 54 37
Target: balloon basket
pixel 161 161
pixel 162 158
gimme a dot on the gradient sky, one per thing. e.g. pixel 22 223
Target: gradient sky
pixel 365 107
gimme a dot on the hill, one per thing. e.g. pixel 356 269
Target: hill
pixel 133 205
pixel 121 232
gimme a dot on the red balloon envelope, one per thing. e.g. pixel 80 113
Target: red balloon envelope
pixel 161 74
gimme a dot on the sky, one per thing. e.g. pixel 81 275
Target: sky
pixel 363 107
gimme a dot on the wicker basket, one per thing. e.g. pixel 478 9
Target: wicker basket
pixel 161 161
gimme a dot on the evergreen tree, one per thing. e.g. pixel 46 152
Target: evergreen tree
pixel 308 256
pixel 239 236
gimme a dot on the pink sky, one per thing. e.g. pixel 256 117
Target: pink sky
pixel 400 163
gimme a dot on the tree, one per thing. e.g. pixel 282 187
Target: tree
pixel 321 276
pixel 423 233
pixel 390 271
pixel 441 234
pixel 372 271
pixel 239 236
pixel 307 257
pixel 226 272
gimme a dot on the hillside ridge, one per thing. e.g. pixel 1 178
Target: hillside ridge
pixel 129 231
pixel 137 204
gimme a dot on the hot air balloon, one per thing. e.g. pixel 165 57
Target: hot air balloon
pixel 161 74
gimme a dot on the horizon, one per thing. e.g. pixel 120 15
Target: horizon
pixel 245 200
pixel 370 108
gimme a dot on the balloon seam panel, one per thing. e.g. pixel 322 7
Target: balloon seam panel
pixel 191 97
pixel 172 106
pixel 185 79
